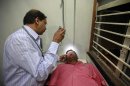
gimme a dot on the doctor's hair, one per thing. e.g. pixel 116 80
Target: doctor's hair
pixel 31 15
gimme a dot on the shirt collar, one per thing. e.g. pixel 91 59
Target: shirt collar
pixel 32 32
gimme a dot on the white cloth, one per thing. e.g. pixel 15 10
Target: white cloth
pixel 23 63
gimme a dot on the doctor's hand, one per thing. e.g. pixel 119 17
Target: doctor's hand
pixel 59 35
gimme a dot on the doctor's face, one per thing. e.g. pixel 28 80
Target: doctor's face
pixel 42 26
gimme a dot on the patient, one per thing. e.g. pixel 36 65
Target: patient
pixel 75 73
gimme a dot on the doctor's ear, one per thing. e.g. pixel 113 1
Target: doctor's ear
pixel 37 20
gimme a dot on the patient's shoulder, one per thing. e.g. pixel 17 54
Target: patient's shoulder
pixel 61 65
pixel 90 65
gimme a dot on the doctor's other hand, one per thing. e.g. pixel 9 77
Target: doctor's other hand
pixel 59 35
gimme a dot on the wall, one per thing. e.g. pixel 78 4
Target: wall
pixel 13 11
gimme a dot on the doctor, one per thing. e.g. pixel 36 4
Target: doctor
pixel 24 64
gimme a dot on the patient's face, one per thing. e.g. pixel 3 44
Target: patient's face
pixel 71 56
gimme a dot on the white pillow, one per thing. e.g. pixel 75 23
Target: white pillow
pixel 83 60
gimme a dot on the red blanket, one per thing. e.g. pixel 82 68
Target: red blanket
pixel 78 74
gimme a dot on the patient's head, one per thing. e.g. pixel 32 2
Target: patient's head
pixel 71 56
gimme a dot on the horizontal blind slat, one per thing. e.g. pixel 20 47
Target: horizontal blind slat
pixel 112 41
pixel 112 63
pixel 112 54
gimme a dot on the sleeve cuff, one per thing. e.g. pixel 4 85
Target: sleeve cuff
pixel 53 47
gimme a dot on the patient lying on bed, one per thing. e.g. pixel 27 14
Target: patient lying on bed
pixel 75 73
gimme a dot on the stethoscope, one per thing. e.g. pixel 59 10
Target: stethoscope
pixel 33 40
